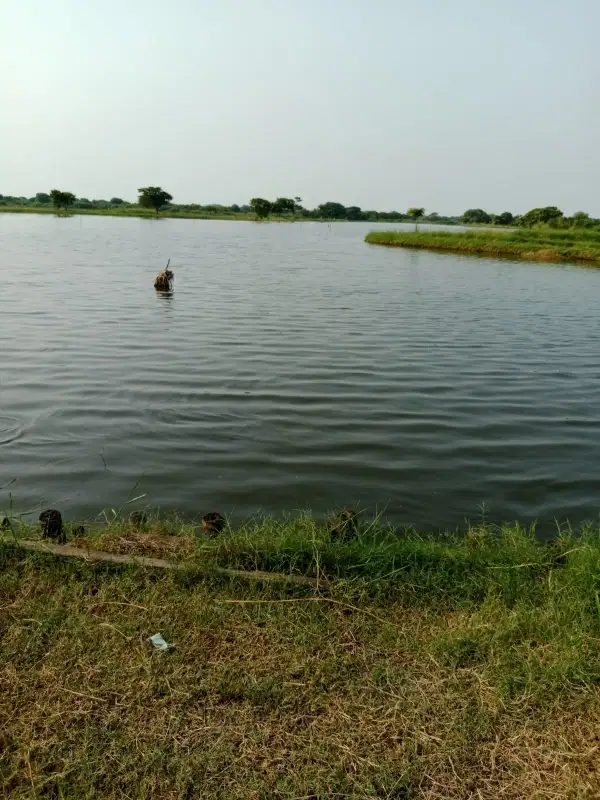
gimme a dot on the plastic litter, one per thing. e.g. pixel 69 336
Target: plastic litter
pixel 158 642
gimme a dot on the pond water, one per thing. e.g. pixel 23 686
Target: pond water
pixel 294 367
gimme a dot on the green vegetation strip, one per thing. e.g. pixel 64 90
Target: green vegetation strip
pixel 436 666
pixel 133 211
pixel 574 245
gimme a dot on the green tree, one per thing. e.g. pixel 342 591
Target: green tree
pixel 283 205
pixel 261 207
pixel 154 197
pixel 355 213
pixel 545 215
pixel 476 216
pixel 43 198
pixel 331 210
pixel 416 214
pixel 62 199
pixel 581 219
pixel 116 201
pixel 506 218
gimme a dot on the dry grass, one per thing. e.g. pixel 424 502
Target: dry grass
pixel 282 693
pixel 175 548
pixel 544 254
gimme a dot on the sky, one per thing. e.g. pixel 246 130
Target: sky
pixel 383 104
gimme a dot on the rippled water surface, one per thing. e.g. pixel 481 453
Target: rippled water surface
pixel 294 367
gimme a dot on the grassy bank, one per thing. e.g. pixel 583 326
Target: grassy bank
pixel 432 667
pixel 533 244
pixel 135 211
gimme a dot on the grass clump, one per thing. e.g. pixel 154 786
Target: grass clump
pixel 431 667
pixel 537 244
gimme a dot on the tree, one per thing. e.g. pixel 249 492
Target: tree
pixel 116 201
pixel 154 197
pixel 331 211
pixel 415 214
pixel 261 207
pixel 355 213
pixel 62 199
pixel 476 216
pixel 581 219
pixel 506 218
pixel 544 215
pixel 43 198
pixel 283 205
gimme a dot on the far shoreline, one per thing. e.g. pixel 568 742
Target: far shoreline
pixel 242 216
pixel 142 213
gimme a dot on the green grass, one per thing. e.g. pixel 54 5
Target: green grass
pixel 532 244
pixel 433 667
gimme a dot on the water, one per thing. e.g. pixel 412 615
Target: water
pixel 294 367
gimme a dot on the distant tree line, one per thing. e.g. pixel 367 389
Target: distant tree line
pixel 551 216
pixel 477 216
pixel 283 206
pixel 157 199
pixel 63 200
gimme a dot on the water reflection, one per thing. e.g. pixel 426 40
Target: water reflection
pixel 165 300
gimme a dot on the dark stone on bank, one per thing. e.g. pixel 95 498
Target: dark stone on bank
pixel 213 523
pixel 52 525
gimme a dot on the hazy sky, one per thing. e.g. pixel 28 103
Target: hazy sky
pixel 378 103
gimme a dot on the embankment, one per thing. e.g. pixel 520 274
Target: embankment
pixel 533 245
pixel 410 666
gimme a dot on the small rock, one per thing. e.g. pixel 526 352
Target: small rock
pixel 52 525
